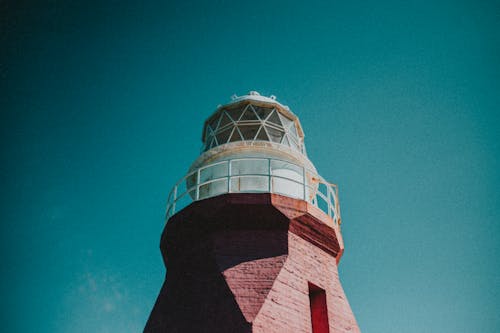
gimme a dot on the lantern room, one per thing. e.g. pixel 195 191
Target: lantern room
pixel 253 118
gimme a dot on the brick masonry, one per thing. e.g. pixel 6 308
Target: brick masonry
pixel 244 262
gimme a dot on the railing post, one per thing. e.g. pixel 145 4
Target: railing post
pixel 329 198
pixel 304 183
pixel 229 170
pixel 337 206
pixel 175 200
pixel 270 179
pixel 198 174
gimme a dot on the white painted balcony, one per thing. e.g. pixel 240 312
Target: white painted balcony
pixel 255 175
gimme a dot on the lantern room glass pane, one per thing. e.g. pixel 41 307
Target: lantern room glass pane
pixel 223 136
pixel 285 141
pixel 274 134
pixel 262 135
pixel 248 131
pixel 293 130
pixel 294 143
pixel 235 136
pixel 287 187
pixel 249 114
pixel 282 165
pixel 235 113
pixel 214 122
pixel 225 120
pixel 285 121
pixel 274 119
pixel 262 112
pixel 249 184
pixel 219 170
pixel 288 179
pixel 249 167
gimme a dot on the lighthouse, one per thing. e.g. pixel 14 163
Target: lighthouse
pixel 253 236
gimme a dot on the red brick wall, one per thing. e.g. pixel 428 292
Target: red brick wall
pixel 287 307
pixel 237 263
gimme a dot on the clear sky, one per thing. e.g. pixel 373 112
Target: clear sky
pixel 102 109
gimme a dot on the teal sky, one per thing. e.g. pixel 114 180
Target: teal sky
pixel 102 109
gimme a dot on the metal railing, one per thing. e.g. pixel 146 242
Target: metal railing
pixel 255 175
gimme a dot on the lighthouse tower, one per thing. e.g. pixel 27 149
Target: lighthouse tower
pixel 252 239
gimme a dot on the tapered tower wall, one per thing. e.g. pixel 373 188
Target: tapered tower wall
pixel 244 263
